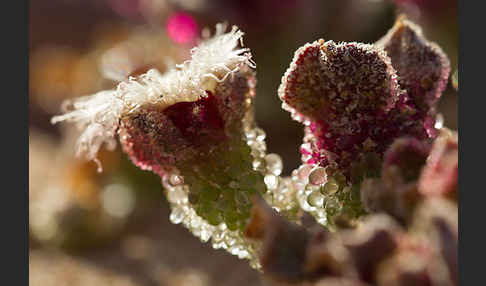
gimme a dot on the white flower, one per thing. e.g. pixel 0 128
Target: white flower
pixel 211 61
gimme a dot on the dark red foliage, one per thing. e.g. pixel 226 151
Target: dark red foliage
pixel 198 121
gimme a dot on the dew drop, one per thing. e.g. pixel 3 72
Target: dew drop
pixel 235 250
pixel 195 223
pixel 218 236
pixel 332 206
pixel 302 199
pixel 271 181
pixel 176 195
pixel 205 235
pixel 254 264
pixel 251 135
pixel 274 164
pixel 175 180
pixel 315 199
pixel 257 164
pixel 330 187
pixel 303 173
pixel 260 134
pixel 243 254
pixel 318 176
pixel 439 121
pixel 177 215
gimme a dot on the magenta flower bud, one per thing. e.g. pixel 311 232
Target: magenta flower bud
pixel 439 176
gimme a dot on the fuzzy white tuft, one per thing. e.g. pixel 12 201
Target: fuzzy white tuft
pixel 211 61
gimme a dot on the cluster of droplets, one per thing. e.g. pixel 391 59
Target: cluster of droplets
pixel 280 195
pixel 220 236
pixel 309 196
pixel 280 192
pixel 325 193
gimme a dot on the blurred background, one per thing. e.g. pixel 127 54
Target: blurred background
pixel 112 228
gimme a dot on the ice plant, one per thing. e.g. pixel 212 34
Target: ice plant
pixel 374 171
pixel 354 100
pixel 194 127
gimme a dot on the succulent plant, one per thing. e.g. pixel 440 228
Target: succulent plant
pixel 354 100
pixel 376 163
pixel 194 127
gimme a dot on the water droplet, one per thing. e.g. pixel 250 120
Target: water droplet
pixel 218 236
pixel 439 121
pixel 303 203
pixel 315 199
pixel 306 147
pixel 196 222
pixel 177 215
pixel 332 206
pixel 274 164
pixel 330 187
pixel 243 254
pixel 99 168
pixel 318 176
pixel 256 164
pixel 260 134
pixel 176 195
pixel 271 181
pixel 230 241
pixel 235 250
pixel 205 235
pixel 254 264
pixel 303 173
pixel 175 180
pixel 322 220
pixel 219 245
pixel 222 227
pixel 251 134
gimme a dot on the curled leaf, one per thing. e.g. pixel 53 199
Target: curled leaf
pixel 341 92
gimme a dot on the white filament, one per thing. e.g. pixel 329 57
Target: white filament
pixel 98 114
